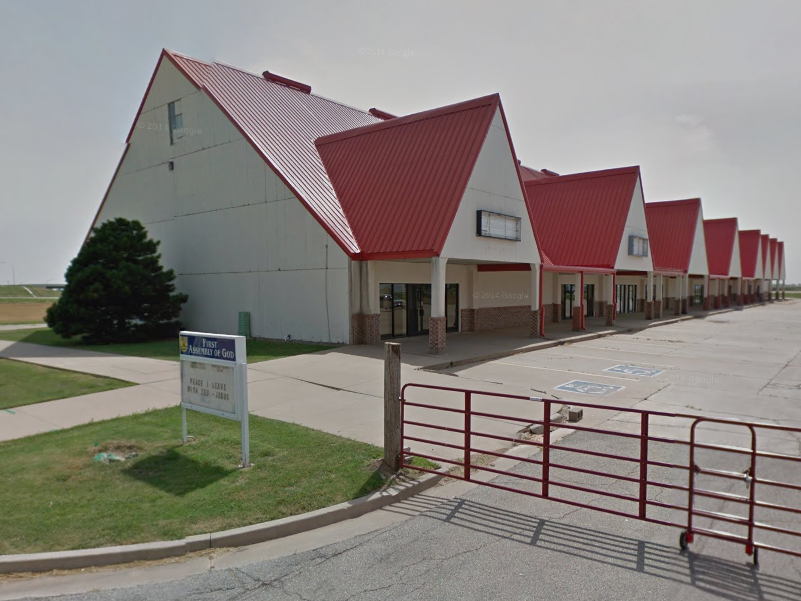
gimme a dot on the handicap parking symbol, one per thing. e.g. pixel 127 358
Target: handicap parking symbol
pixel 633 370
pixel 591 388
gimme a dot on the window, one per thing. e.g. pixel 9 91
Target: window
pixel 176 121
pixel 495 225
pixel 638 247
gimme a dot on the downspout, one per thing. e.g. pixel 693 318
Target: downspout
pixel 583 325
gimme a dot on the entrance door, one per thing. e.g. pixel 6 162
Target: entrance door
pixel 568 297
pixel 589 299
pixel 418 309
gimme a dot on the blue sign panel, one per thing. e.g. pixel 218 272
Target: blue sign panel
pixel 633 370
pixel 208 347
pixel 591 388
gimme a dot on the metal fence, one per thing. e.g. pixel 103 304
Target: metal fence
pixel 648 474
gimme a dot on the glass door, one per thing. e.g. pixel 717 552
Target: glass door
pixel 589 300
pixel 568 296
pixel 418 308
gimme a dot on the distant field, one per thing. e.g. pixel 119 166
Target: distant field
pixel 27 291
pixel 23 312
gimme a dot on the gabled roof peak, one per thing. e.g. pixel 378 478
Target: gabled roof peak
pixel 673 203
pixel 492 99
pixel 556 179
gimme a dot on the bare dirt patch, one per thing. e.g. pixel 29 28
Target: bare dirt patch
pixel 11 313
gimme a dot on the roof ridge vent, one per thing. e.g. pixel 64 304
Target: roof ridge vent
pixel 549 172
pixel 382 114
pixel 285 81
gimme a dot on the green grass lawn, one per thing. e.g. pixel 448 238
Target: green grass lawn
pixel 794 294
pixel 26 384
pixel 28 300
pixel 62 499
pixel 258 350
pixel 13 291
pixel 38 291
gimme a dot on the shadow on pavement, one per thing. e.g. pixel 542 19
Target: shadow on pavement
pixel 723 578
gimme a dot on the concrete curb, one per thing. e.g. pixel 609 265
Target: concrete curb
pixel 238 537
pixel 539 346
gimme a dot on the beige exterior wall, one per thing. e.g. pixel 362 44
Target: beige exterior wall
pixel 236 236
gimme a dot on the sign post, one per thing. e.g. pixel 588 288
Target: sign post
pixel 214 380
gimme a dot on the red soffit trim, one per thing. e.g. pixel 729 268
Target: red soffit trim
pixel 504 267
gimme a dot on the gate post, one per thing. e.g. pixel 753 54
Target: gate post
pixel 392 406
pixel 643 465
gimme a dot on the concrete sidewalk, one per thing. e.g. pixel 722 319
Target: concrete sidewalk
pixel 139 370
pixel 339 391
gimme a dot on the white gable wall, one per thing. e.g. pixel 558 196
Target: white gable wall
pixel 494 186
pixel 699 264
pixel 759 272
pixel 236 236
pixel 735 271
pixel 635 226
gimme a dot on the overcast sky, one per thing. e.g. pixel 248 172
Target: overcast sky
pixel 705 95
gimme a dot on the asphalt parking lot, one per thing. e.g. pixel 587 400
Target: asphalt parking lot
pixel 480 543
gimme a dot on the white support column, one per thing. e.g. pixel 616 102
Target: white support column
pixel 649 295
pixel 369 293
pixel 739 291
pixel 705 300
pixel 536 309
pixel 366 326
pixel 436 324
pixel 660 296
pixel 609 297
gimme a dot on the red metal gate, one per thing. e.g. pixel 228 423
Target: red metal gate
pixel 461 437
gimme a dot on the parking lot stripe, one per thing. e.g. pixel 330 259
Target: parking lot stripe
pixel 607 359
pixel 566 371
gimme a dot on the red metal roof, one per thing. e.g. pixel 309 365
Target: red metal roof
pixel 774 244
pixel 400 181
pixel 528 174
pixel 720 235
pixel 282 122
pixel 765 241
pixel 749 250
pixel 671 231
pixel 579 218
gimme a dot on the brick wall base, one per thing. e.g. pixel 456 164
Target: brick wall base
pixel 657 309
pixel 467 320
pixel 676 304
pixel 436 334
pixel 641 306
pixel 609 315
pixel 717 301
pixel 492 318
pixel 601 311
pixel 366 329
pixel 553 312
pixel 649 310
pixel 684 306
pixel 706 303
pixel 576 319
pixel 534 324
